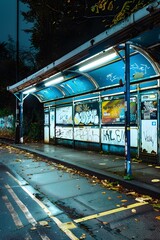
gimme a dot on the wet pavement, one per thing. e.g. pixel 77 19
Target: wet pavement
pixel 81 205
pixel 146 176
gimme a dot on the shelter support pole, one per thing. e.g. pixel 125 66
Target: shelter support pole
pixel 159 125
pixel 128 171
pixel 19 119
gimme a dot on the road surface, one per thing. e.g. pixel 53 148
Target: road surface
pixel 40 199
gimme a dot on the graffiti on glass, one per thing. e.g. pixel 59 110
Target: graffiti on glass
pixel 87 114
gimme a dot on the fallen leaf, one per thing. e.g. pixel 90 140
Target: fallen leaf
pixel 155 180
pixel 124 200
pixel 131 193
pixel 33 228
pixel 18 160
pixel 83 236
pixel 119 196
pixel 43 223
pixel 158 218
pixel 136 220
pixel 156 205
pixel 105 223
pixel 133 210
pixel 115 188
pixel 143 199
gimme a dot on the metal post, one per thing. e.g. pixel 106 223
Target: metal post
pixel 17 74
pixel 17 123
pixel 158 128
pixel 128 172
pixel 21 118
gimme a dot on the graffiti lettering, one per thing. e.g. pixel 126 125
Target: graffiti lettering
pixel 65 133
pixel 86 117
pixel 64 115
pixel 116 136
pixel 86 134
pixel 6 122
pixel 139 70
pixel 113 136
pixel 148 138
pixel 112 77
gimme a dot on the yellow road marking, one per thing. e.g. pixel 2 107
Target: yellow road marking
pixel 116 210
pixel 24 209
pixel 13 213
pixel 55 219
pixel 66 226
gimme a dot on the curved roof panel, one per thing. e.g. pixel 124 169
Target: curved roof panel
pixel 77 85
pixel 48 93
pixel 105 76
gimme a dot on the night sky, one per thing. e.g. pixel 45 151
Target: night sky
pixel 8 22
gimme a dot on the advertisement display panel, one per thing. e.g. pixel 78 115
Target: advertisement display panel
pixel 149 136
pixel 149 128
pixel 113 111
pixel 86 113
pixel 116 136
pixel 87 134
pixel 64 115
pixel 149 107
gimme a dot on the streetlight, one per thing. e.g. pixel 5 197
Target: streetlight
pixel 19 97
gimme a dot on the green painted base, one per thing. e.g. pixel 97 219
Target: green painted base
pixel 128 177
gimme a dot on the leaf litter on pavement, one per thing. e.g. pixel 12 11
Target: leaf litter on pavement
pixel 105 183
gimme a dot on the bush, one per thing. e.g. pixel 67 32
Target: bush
pixel 35 131
pixel 7 133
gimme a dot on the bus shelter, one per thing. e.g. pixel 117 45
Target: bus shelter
pixel 104 95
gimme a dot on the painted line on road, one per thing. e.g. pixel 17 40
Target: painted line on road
pixel 13 213
pixel 24 209
pixel 115 210
pixel 28 236
pixel 62 226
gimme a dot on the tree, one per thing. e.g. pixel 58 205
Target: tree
pixel 62 25
pixel 7 75
pixel 8 66
pixel 8 71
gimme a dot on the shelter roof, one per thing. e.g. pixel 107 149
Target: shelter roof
pixel 141 30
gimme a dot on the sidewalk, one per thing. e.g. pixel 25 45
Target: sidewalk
pixel 146 177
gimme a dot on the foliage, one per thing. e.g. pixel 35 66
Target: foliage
pixel 7 133
pixel 8 76
pixel 5 112
pixel 33 119
pixel 35 132
pixel 8 72
pixel 61 25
